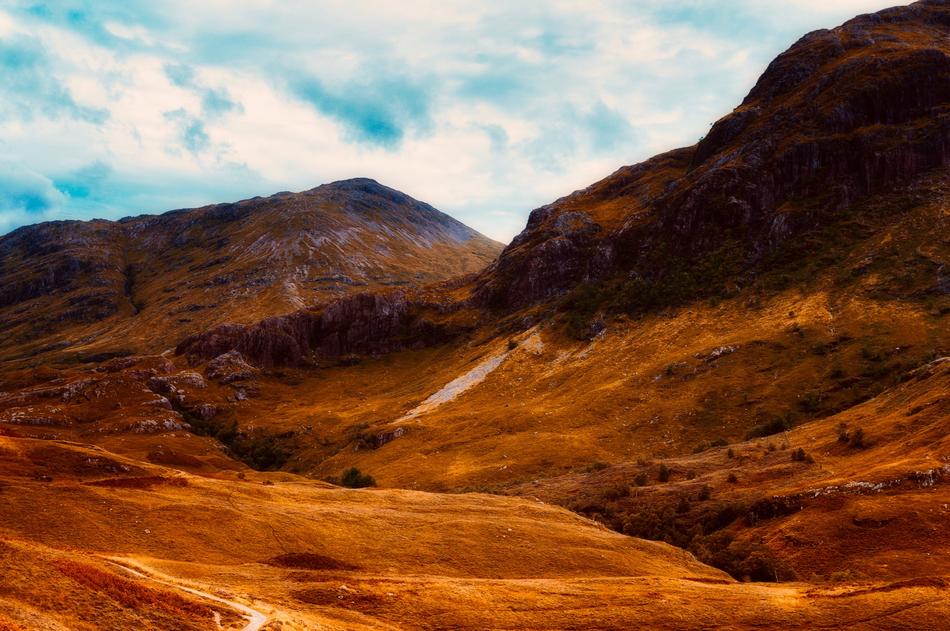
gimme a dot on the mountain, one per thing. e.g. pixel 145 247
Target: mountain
pixel 735 350
pixel 842 115
pixel 782 273
pixel 87 289
pixel 836 124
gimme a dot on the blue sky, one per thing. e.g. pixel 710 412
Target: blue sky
pixel 484 109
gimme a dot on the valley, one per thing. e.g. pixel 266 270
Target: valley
pixel 711 390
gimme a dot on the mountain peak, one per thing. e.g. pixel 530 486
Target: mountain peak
pixel 357 183
pixel 167 276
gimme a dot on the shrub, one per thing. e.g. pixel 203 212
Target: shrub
pixel 810 402
pixel 350 359
pixel 719 442
pixel 732 479
pixel 743 560
pixel 353 478
pixel 774 426
pixel 131 594
pixel 857 439
pixel 640 479
pixel 730 453
pixel 843 435
pixel 259 449
pixel 614 493
pixel 690 475
pixel 799 455
pixel 704 529
pixel 760 565
pixel 704 493
pixel 683 281
pixel 664 474
pixel 871 354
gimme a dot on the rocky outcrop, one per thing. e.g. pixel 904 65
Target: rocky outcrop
pixel 574 239
pixel 363 324
pixel 230 367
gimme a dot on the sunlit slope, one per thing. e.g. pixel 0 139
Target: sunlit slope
pixel 311 556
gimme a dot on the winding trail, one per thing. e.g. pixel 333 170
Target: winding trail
pixel 255 619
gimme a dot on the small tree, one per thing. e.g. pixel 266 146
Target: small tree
pixel 664 474
pixel 355 479
pixel 857 439
pixel 683 505
pixel 843 435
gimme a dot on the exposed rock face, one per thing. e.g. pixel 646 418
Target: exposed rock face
pixel 165 277
pixel 229 367
pixel 574 239
pixel 359 324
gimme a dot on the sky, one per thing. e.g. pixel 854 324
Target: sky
pixel 483 109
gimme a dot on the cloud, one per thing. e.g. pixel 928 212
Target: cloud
pixel 25 194
pixel 215 102
pixel 119 25
pixel 86 183
pixel 485 109
pixel 31 86
pixel 191 130
pixel 379 112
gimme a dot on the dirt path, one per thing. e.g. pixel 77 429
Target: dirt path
pixel 255 619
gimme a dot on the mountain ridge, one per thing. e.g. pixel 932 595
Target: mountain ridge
pixel 701 221
pixel 235 261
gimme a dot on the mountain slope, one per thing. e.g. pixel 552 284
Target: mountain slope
pixel 310 556
pixel 143 283
pixel 843 116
